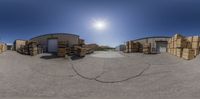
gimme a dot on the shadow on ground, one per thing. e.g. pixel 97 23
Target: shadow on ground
pixel 50 56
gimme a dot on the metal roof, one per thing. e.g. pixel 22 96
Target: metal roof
pixel 55 34
pixel 152 37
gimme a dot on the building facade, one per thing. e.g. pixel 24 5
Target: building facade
pixel 49 42
pixel 158 43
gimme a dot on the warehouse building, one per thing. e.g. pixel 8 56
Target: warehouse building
pixel 158 43
pixel 49 42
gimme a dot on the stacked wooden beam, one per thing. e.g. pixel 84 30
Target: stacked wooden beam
pixel 1 48
pixel 147 48
pixel 63 48
pixel 132 47
pixel 184 47
pixel 30 48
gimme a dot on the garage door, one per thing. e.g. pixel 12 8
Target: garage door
pixel 161 46
pixel 52 45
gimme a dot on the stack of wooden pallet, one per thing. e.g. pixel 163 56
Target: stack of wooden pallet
pixel 127 47
pixel 30 48
pixel 184 47
pixel 1 48
pixel 147 48
pixel 81 52
pixel 132 47
pixel 62 48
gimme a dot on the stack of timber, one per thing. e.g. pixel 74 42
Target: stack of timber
pixel 147 48
pixel 63 48
pixel 184 47
pixel 79 51
pixel 30 48
pixel 1 48
pixel 188 54
pixel 81 42
pixel 132 47
pixel 127 47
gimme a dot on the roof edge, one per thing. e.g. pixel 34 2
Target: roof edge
pixel 55 34
pixel 151 37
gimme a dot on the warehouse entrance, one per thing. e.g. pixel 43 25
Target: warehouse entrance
pixel 52 45
pixel 161 46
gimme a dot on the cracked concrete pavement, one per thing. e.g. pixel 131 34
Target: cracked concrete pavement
pixel 26 77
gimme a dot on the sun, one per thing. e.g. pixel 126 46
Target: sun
pixel 99 25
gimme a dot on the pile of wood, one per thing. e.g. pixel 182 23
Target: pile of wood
pixel 63 48
pixel 147 48
pixel 132 47
pixel 30 48
pixel 79 51
pixel 184 47
pixel 1 48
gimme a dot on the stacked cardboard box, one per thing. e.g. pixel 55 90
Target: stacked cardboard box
pixel 147 48
pixel 185 47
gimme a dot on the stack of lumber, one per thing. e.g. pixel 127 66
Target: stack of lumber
pixel 1 48
pixel 127 47
pixel 30 48
pixel 188 53
pixel 147 48
pixel 195 45
pixel 79 51
pixel 184 47
pixel 81 42
pixel 63 48
pixel 132 47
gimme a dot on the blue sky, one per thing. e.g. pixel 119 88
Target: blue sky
pixel 126 19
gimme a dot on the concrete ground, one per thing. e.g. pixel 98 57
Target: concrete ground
pixel 102 75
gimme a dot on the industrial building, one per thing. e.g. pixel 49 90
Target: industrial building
pixel 49 42
pixel 158 43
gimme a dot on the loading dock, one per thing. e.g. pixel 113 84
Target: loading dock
pixel 161 46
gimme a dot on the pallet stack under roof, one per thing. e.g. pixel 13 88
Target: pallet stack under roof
pixel 132 47
pixel 184 47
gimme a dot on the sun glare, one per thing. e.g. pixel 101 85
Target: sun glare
pixel 99 25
